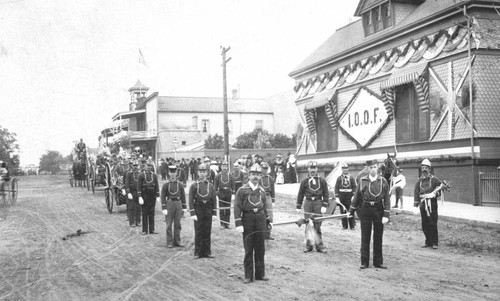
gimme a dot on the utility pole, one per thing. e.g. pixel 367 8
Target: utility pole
pixel 224 84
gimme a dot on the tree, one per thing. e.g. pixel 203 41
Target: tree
pixel 8 150
pixel 282 141
pixel 214 142
pixel 50 162
pixel 262 139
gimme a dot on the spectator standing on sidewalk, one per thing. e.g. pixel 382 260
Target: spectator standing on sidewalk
pixel 398 183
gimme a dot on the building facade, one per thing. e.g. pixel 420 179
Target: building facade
pixel 399 80
pixel 162 124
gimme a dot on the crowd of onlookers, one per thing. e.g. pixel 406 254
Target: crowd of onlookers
pixel 282 170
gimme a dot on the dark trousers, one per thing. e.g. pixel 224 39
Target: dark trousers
pixel 371 216
pixel 429 223
pixel 313 208
pixel 163 176
pixel 254 225
pixel 224 202
pixel 174 217
pixel 346 201
pixel 148 211
pixel 203 229
pixel 133 209
pixel 399 196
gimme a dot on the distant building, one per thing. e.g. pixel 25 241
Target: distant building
pixel 398 78
pixel 160 124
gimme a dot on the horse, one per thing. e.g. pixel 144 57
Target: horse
pixel 386 169
pixel 80 172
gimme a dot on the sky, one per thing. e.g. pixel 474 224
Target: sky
pixel 66 65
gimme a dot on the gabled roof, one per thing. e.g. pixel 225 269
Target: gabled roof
pixel 213 104
pixel 138 86
pixel 365 5
pixel 351 37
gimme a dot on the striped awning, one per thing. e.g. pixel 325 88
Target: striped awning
pixel 321 99
pixel 403 76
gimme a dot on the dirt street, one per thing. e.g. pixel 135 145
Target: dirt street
pixel 43 258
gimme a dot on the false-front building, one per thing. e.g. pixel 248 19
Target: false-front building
pixel 399 80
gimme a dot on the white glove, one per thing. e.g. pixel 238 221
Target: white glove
pixel 298 211
pixel 239 229
pixel 274 204
pixel 194 218
pixel 385 220
pixel 323 210
pixel 337 200
pixel 214 218
pixel 124 192
pixel 415 210
pixel 129 196
pixel 271 225
pixel 431 195
pixel 158 200
pixel 184 210
pixel 141 200
pixel 165 211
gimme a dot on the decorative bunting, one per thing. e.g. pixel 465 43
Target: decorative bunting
pixel 388 99
pixel 422 88
pixel 331 114
pixel 310 121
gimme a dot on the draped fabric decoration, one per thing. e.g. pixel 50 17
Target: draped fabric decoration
pixel 331 114
pixel 310 121
pixel 422 88
pixel 388 99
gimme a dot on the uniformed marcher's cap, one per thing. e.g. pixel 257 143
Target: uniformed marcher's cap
pixel 256 168
pixel 312 164
pixel 264 165
pixel 172 167
pixel 344 165
pixel 206 160
pixel 202 167
pixel 426 162
pixel 236 163
pixel 135 162
pixel 224 163
pixel 371 162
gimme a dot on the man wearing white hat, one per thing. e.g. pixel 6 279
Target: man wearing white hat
pixel 173 204
pixel 427 189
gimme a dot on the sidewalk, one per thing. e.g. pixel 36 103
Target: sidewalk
pixel 465 213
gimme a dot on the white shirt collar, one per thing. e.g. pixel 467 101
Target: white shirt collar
pixel 254 187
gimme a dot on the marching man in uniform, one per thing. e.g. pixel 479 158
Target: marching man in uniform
pixel 251 218
pixel 224 184
pixel 427 189
pixel 372 201
pixel 237 176
pixel 173 203
pixel 203 209
pixel 315 189
pixel 267 182
pixel 148 190
pixel 133 207
pixel 344 190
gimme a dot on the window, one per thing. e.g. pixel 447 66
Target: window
pixel 229 126
pixel 386 15
pixel 327 139
pixel 194 123
pixel 205 126
pixel 258 124
pixel 412 124
pixel 183 143
pixel 377 25
pixel 378 18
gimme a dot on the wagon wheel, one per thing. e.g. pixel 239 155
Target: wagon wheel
pixel 3 196
pixel 92 178
pixel 87 161
pixel 109 202
pixel 14 191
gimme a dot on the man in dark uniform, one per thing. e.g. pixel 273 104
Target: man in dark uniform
pixel 203 210
pixel 267 182
pixel 133 207
pixel 224 185
pixel 427 189
pixel 372 201
pixel 192 169
pixel 148 190
pixel 163 169
pixel 180 173
pixel 251 217
pixel 81 149
pixel 237 176
pixel 315 189
pixel 173 203
pixel 344 191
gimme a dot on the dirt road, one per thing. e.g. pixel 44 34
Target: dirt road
pixel 43 258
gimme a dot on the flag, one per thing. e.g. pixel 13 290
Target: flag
pixel 142 61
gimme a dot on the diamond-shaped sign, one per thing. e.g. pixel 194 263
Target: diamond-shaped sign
pixel 364 117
